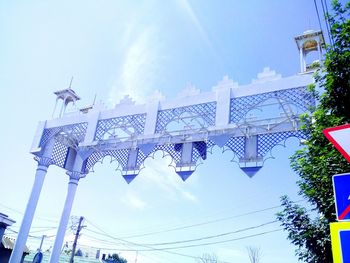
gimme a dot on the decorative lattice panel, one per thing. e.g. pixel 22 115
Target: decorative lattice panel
pixel 205 111
pixel 59 154
pixel 140 158
pixel 120 155
pixel 267 141
pixel 300 97
pixel 172 150
pixel 135 122
pixel 201 149
pixel 74 131
pixel 297 96
pixel 237 145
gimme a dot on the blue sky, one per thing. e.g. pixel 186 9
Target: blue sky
pixel 144 49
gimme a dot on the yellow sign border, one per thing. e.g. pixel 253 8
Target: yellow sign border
pixel 336 227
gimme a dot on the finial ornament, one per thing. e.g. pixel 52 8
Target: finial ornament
pixel 70 84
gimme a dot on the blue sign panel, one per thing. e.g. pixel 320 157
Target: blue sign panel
pixel 341 185
pixel 345 245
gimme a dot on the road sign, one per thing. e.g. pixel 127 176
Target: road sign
pixel 340 237
pixel 340 137
pixel 341 187
pixel 345 244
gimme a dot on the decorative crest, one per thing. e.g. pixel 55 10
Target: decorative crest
pixel 266 75
pixel 226 82
pixel 126 100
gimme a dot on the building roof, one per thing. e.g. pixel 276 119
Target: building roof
pixel 4 219
pixel 67 94
pixel 9 243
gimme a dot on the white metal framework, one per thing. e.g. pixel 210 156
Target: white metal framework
pixel 247 120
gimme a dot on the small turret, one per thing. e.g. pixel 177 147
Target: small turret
pixel 67 96
pixel 307 42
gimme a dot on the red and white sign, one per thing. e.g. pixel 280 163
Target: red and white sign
pixel 340 137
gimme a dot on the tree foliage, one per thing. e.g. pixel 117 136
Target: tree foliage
pixel 115 258
pixel 318 160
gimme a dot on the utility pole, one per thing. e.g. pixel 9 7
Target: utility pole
pixel 41 243
pixel 39 255
pixel 76 239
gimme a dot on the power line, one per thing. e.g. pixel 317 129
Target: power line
pixel 20 212
pixel 150 248
pixel 209 243
pixel 318 15
pixel 16 232
pixel 327 24
pixel 213 236
pixel 115 243
pixel 206 222
pixel 193 240
pixel 43 230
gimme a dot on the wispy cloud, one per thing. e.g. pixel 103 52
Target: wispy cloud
pixel 187 8
pixel 138 71
pixel 189 196
pixel 131 199
pixel 165 179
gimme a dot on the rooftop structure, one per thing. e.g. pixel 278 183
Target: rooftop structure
pixel 307 42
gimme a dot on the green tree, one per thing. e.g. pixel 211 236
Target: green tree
pixel 318 160
pixel 115 258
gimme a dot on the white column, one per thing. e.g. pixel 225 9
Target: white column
pixel 151 118
pixel 223 100
pixel 301 60
pixel 72 187
pixel 43 164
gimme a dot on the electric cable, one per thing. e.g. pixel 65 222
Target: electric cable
pixel 209 243
pixel 213 236
pixel 197 239
pixel 318 15
pixel 193 245
pixel 327 24
pixel 166 250
pixel 19 212
pixel 206 222
pixel 16 232
pixel 148 247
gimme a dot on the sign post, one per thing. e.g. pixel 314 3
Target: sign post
pixel 340 231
